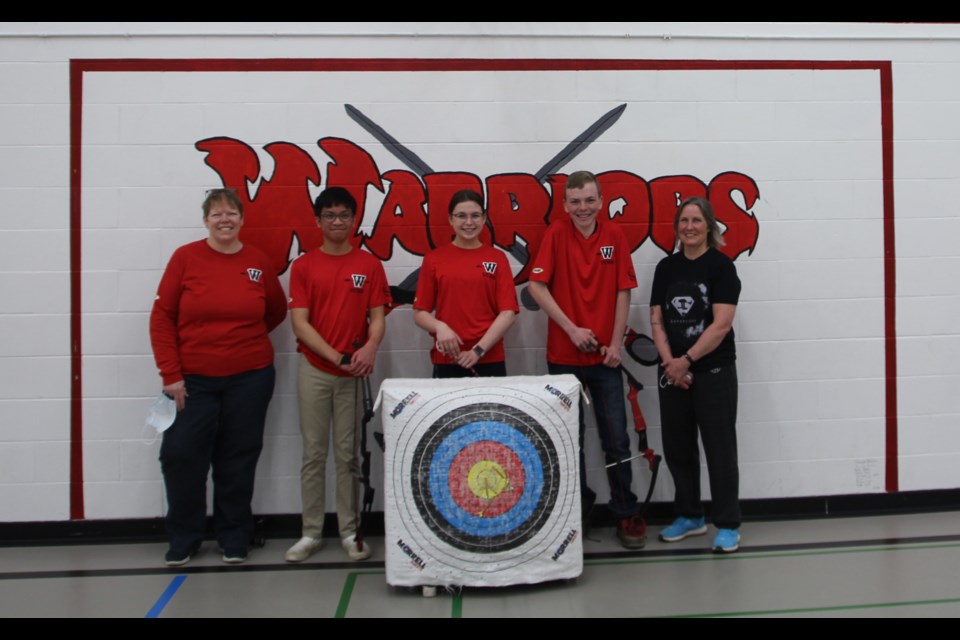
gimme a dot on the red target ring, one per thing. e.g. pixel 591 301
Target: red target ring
pixel 486 479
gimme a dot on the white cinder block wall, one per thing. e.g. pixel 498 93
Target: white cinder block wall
pixel 798 109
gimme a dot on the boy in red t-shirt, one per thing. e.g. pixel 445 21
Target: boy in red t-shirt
pixel 582 279
pixel 337 299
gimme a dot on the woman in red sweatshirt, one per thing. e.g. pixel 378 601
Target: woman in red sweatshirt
pixel 216 303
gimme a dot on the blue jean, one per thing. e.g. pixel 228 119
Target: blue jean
pixel 220 426
pixel 605 385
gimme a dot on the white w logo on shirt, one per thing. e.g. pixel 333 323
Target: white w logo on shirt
pixel 490 267
pixel 358 280
pixel 606 252
pixel 254 274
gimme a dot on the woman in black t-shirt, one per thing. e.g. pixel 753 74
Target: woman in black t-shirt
pixel 692 305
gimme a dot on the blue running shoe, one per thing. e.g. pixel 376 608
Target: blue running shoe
pixel 683 528
pixel 727 541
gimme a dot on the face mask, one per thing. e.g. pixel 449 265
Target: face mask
pixel 161 413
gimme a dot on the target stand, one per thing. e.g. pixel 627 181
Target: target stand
pixel 481 480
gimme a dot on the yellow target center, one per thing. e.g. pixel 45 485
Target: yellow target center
pixel 487 480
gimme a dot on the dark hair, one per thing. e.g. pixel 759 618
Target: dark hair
pixel 229 196
pixel 714 235
pixel 465 195
pixel 331 197
pixel 580 179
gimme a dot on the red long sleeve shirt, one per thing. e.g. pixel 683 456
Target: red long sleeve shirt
pixel 213 312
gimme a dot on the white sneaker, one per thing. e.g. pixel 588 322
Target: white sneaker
pixel 303 549
pixel 352 547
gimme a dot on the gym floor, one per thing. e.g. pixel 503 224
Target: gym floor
pixel 884 566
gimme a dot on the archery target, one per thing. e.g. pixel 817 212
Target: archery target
pixel 482 484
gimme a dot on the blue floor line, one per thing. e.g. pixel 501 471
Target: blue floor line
pixel 165 597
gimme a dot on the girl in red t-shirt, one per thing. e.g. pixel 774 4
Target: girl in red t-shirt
pixel 466 298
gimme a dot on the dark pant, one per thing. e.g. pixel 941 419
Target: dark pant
pixel 220 426
pixel 710 407
pixel 606 392
pixel 484 370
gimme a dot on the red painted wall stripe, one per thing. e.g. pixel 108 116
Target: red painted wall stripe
pixel 473 64
pixel 889 279
pixel 76 351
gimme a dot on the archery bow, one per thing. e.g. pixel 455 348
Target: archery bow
pixel 368 490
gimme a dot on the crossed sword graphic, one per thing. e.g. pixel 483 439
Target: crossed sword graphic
pixel 416 164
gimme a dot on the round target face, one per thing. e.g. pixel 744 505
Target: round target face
pixel 485 478
pixel 490 472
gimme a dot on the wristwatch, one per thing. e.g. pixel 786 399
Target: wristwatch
pixel 477 349
pixel 345 359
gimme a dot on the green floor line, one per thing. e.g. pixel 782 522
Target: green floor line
pixel 456 608
pixel 761 555
pixel 348 585
pixel 852 607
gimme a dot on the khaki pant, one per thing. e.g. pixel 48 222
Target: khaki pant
pixel 327 399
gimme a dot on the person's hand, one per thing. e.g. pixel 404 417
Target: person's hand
pixel 611 356
pixel 362 361
pixel 177 391
pixel 468 359
pixel 685 382
pixel 678 373
pixel 448 342
pixel 583 339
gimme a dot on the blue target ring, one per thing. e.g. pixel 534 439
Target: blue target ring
pixel 440 475
pixel 432 465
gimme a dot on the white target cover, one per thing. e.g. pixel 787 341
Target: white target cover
pixel 481 480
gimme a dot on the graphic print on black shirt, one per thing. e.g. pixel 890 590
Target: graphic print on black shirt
pixel 687 311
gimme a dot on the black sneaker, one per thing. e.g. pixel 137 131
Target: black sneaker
pixel 234 555
pixel 176 558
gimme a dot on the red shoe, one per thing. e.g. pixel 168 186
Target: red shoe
pixel 632 532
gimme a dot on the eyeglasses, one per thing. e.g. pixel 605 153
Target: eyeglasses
pixel 330 216
pixel 463 217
